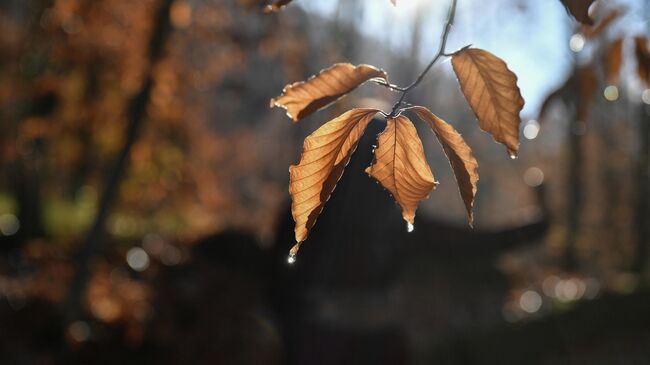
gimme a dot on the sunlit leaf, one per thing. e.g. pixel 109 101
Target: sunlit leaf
pixel 401 167
pixel 303 98
pixel 276 5
pixel 459 154
pixel 579 9
pixel 492 92
pixel 325 154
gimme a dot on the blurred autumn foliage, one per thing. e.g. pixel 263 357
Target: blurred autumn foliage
pixel 190 265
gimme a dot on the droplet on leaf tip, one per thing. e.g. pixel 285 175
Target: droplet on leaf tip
pixel 409 227
pixel 291 259
pixel 513 156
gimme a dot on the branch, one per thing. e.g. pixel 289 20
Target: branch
pixel 137 112
pixel 441 52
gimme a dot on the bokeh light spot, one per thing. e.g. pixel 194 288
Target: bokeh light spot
pixel 531 129
pixel 9 224
pixel 137 259
pixel 611 93
pixel 534 177
pixel 530 301
pixel 577 42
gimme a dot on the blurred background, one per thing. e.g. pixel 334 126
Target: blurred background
pixel 144 211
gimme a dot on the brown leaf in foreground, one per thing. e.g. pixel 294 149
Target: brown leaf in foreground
pixel 325 154
pixel 459 154
pixel 579 9
pixel 400 166
pixel 492 92
pixel 276 5
pixel 642 59
pixel 303 98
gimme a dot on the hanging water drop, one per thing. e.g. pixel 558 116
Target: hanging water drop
pixel 291 259
pixel 513 156
pixel 409 227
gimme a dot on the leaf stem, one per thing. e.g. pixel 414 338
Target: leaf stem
pixel 441 52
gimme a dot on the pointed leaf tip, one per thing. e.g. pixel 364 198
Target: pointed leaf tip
pixel 325 154
pixel 458 153
pixel 400 166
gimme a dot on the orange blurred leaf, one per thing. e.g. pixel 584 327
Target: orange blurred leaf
pixel 459 154
pixel 492 92
pixel 325 154
pixel 642 59
pixel 401 167
pixel 592 32
pixel 614 60
pixel 301 99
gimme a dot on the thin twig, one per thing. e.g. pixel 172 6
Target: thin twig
pixel 441 52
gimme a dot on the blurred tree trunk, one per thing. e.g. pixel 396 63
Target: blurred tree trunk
pixel 574 191
pixel 136 114
pixel 642 214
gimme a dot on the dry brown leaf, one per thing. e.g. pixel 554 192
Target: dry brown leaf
pixel 303 98
pixel 459 154
pixel 276 5
pixel 642 59
pixel 614 60
pixel 492 92
pixel 401 167
pixel 325 154
pixel 579 9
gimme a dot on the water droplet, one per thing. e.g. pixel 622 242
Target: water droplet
pixel 409 227
pixel 291 259
pixel 513 156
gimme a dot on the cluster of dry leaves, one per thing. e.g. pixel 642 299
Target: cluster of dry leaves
pixel 399 162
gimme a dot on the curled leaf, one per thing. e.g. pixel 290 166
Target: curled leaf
pixel 492 92
pixel 401 167
pixel 459 154
pixel 300 99
pixel 579 9
pixel 325 154
pixel 276 5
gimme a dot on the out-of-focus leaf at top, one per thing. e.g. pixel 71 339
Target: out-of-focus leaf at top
pixel 276 5
pixel 303 98
pixel 614 60
pixel 642 59
pixel 579 9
